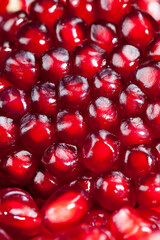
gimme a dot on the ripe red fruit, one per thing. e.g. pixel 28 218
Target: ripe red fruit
pixel 74 91
pixel 138 36
pixel 5 49
pixel 107 83
pixel 132 100
pixel 101 151
pixel 148 191
pixel 46 11
pixel 88 59
pixel 34 37
pixel 139 160
pixel 153 49
pixel 4 235
pixel 4 83
pixel 21 69
pixel 71 127
pixel 44 98
pixel 36 132
pixel 19 167
pixel 55 64
pixel 103 114
pixel 70 32
pixel 83 9
pixel 113 10
pixel 125 59
pixel 18 212
pixel 104 34
pixel 66 208
pixel 66 162
pixel 134 131
pixel 13 102
pixel 114 190
pixel 144 74
pixel 43 184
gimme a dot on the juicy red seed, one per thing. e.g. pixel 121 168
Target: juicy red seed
pixel 153 116
pixel 141 36
pixel 153 49
pixel 4 83
pixel 19 167
pixel 4 235
pixel 16 208
pixel 73 91
pixel 46 11
pixel 55 64
pixel 43 184
pixel 152 7
pixel 101 141
pixel 119 192
pixel 148 191
pixel 150 215
pixel 83 9
pixel 139 160
pixel 66 161
pixel 113 10
pixel 70 32
pixel 107 83
pixel 104 34
pixel 57 211
pixel 11 25
pixel 124 60
pixel 36 132
pixel 143 75
pixel 88 59
pixel 134 131
pixel 44 98
pixel 97 217
pixel 21 69
pixel 71 127
pixel 103 114
pixel 128 224
pixel 5 49
pixel 34 37
pixel 13 102
pixel 8 133
pixel 132 100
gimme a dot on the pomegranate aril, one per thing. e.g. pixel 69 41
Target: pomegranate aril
pixel 138 36
pixel 5 50
pixel 153 49
pixel 132 100
pixel 101 151
pixel 150 215
pixel 148 194
pixel 70 32
pixel 19 167
pixel 71 127
pixel 113 10
pixel 19 213
pixel 103 114
pixel 44 98
pixel 74 91
pixel 11 25
pixel 135 131
pixel 107 83
pixel 36 132
pixel 4 235
pixel 43 184
pixel 147 77
pixel 58 215
pixel 124 60
pixel 46 11
pixel 4 83
pixel 34 37
pixel 66 162
pixel 153 116
pixel 21 69
pixel 139 160
pixel 128 224
pixel 85 9
pixel 88 59
pixel 55 64
pixel 104 34
pixel 120 191
pixel 13 102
